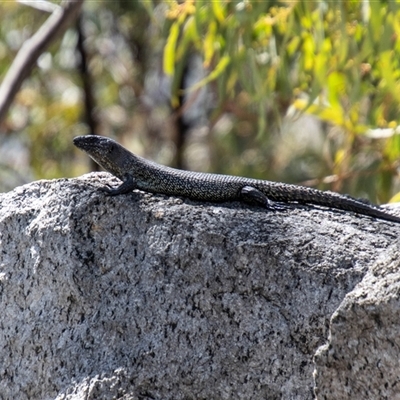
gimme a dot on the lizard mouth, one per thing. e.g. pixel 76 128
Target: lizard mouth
pixel 94 145
pixel 85 142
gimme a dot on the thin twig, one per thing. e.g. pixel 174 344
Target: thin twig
pixel 55 25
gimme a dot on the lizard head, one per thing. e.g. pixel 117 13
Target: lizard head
pixel 104 151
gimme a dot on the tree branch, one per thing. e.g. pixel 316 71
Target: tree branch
pixel 89 98
pixel 40 5
pixel 55 25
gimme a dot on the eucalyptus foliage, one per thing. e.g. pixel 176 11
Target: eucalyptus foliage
pixel 335 60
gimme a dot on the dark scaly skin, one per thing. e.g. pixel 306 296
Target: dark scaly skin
pixel 137 173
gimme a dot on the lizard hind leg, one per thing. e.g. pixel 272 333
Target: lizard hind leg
pixel 251 195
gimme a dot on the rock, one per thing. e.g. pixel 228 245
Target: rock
pixel 361 359
pixel 144 296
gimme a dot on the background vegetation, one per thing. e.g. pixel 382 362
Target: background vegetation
pixel 297 91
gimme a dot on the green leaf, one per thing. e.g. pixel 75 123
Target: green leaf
pixel 336 88
pixel 170 49
pixel 209 43
pixel 218 10
pixel 218 70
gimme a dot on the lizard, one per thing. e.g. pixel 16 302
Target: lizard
pixel 136 172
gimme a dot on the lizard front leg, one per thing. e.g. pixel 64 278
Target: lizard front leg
pixel 127 185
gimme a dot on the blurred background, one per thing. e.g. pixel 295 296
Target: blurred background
pixel 305 92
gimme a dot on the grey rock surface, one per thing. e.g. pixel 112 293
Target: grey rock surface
pixel 362 358
pixel 147 297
